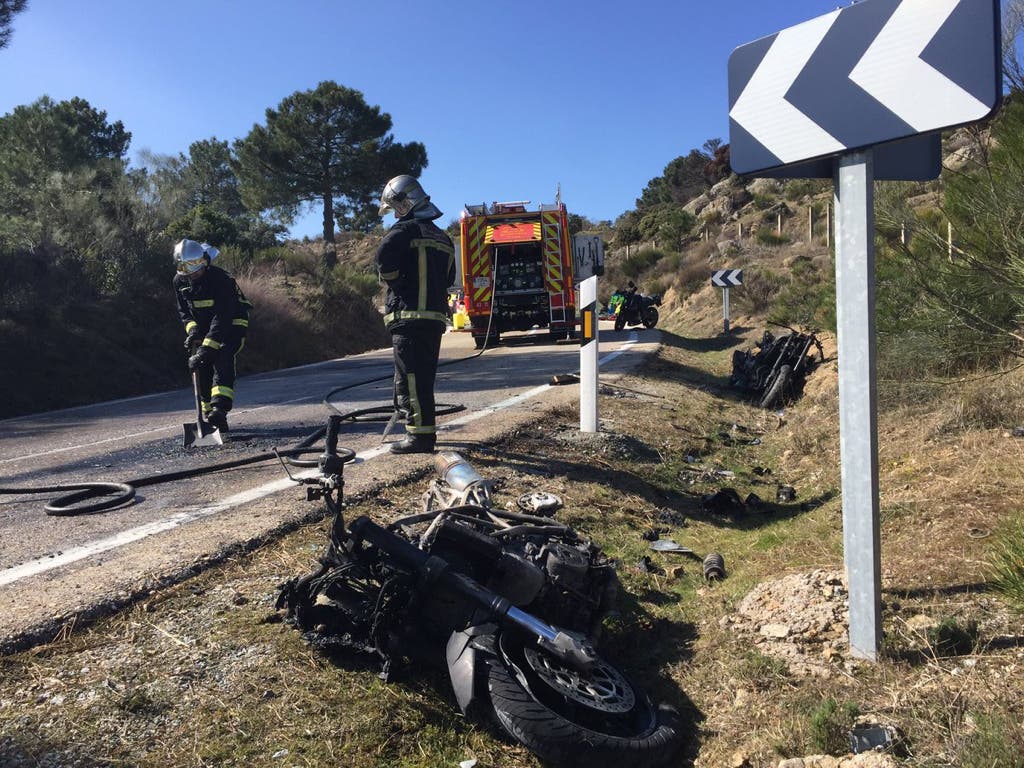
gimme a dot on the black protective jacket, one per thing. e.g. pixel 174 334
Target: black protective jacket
pixel 213 304
pixel 417 261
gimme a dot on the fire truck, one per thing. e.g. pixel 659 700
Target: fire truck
pixel 517 270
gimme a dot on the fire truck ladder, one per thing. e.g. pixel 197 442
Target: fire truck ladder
pixel 553 268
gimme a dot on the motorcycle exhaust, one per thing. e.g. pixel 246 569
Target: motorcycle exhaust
pixel 456 471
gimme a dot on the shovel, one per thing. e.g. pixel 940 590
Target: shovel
pixel 200 434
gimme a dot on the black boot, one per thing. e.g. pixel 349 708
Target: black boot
pixel 218 419
pixel 415 444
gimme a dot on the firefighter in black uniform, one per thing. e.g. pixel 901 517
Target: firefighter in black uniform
pixel 215 313
pixel 417 261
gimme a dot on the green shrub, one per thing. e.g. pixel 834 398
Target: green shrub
pixel 710 218
pixel 949 638
pixel 808 298
pixel 798 188
pixel 636 263
pixel 759 291
pixel 346 279
pixel 995 742
pixel 1007 564
pixel 767 237
pixel 830 727
pixel 694 271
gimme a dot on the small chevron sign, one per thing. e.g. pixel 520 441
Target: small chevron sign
pixel 727 278
pixel 869 73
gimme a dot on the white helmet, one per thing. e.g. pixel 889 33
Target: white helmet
pixel 190 256
pixel 404 194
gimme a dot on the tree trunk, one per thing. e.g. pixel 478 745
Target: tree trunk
pixel 330 257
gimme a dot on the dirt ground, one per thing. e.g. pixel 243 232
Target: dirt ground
pixel 757 663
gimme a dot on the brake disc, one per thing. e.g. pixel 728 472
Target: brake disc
pixel 539 503
pixel 602 688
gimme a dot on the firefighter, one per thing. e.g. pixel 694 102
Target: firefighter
pixel 215 313
pixel 417 261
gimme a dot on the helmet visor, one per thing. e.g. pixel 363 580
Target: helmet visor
pixel 188 266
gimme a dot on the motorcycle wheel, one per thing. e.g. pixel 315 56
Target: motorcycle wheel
pixel 620 321
pixel 650 318
pixel 597 719
pixel 777 387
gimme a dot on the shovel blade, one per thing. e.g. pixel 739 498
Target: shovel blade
pixel 200 435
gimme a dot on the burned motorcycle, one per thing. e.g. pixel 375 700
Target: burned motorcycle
pixel 510 601
pixel 637 309
pixel 779 368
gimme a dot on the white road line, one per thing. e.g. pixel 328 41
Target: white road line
pixel 44 564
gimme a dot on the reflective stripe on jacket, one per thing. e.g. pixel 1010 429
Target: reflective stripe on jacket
pixel 213 304
pixel 417 260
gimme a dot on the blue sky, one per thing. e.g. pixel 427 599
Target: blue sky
pixel 510 99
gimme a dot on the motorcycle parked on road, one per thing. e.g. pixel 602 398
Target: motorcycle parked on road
pixel 509 601
pixel 637 309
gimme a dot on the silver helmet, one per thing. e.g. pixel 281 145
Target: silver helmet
pixel 403 194
pixel 190 256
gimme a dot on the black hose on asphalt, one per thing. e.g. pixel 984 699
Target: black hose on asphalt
pixel 118 494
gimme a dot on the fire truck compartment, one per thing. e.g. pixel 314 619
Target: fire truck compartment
pixel 519 268
pixel 521 299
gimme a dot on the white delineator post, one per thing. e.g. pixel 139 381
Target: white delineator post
pixel 858 424
pixel 588 355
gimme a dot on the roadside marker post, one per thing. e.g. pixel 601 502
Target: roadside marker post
pixel 725 310
pixel 588 355
pixel 724 279
pixel 860 95
pixel 858 428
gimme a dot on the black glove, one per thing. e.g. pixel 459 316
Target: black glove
pixel 192 341
pixel 201 358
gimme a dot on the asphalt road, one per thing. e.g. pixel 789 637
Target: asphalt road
pixel 57 570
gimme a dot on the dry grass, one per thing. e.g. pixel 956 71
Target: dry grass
pixel 296 322
pixel 205 675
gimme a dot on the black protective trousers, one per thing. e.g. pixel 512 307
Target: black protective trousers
pixel 217 380
pixel 417 345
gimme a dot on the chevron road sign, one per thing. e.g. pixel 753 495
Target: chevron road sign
pixel 870 73
pixel 727 278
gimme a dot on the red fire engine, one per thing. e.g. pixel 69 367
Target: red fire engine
pixel 517 270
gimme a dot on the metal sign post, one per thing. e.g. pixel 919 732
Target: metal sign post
pixel 725 308
pixel 861 94
pixel 858 428
pixel 724 279
pixel 588 355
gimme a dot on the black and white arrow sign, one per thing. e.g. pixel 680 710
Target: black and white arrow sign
pixel 873 72
pixel 727 278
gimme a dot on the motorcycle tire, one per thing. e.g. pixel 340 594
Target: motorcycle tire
pixel 568 718
pixel 650 317
pixel 777 387
pixel 620 321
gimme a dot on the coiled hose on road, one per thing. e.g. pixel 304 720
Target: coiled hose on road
pixel 115 494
